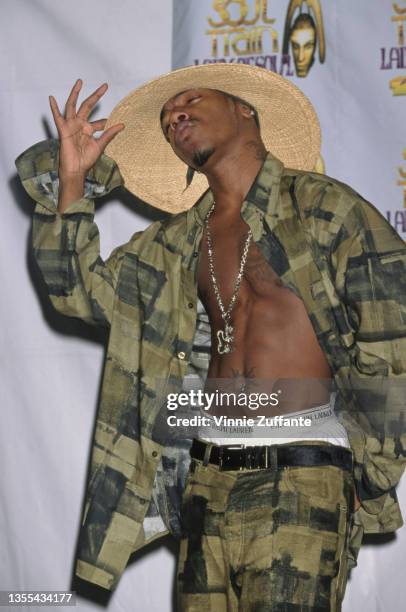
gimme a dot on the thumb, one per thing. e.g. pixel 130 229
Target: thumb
pixel 109 134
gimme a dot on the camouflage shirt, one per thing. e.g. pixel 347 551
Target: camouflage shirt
pixel 344 260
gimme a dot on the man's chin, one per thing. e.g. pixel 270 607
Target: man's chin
pixel 201 156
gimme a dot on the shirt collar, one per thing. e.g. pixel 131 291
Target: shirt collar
pixel 263 194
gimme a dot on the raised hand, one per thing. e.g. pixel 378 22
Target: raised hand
pixel 79 149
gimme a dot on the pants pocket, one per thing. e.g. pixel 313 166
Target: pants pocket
pixel 318 484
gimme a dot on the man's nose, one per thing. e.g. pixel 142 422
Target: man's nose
pixel 176 117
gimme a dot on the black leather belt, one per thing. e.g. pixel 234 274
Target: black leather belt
pixel 271 457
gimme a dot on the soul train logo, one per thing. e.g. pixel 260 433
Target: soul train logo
pixel 397 218
pixel 394 58
pixel 243 32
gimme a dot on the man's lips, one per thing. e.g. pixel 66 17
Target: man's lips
pixel 182 128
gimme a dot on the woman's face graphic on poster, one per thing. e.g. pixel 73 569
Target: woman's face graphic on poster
pixel 303 40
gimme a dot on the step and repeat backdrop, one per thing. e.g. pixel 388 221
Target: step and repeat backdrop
pixel 348 56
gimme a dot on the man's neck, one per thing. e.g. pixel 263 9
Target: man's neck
pixel 231 177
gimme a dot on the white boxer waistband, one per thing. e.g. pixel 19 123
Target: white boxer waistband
pixel 283 429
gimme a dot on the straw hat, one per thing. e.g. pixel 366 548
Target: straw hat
pixel 289 129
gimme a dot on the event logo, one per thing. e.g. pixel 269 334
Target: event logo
pixel 303 35
pixel 394 58
pixel 397 218
pixel 240 31
pixel 244 31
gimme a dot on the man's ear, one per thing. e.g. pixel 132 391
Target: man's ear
pixel 246 111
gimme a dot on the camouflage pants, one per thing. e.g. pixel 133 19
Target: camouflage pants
pixel 264 540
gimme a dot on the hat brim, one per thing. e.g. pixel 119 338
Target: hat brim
pixel 289 129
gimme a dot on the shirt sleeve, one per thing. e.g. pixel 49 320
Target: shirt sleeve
pixel 371 271
pixel 66 246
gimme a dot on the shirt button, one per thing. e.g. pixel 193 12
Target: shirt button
pixel 181 355
pixel 154 454
pixel 190 305
pixel 195 253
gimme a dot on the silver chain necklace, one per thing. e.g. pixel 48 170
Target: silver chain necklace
pixel 224 336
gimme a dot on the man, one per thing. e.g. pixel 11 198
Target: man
pixel 299 279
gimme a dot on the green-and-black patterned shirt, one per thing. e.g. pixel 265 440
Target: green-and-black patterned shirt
pixel 339 253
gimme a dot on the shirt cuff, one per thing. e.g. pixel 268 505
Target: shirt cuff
pixel 38 171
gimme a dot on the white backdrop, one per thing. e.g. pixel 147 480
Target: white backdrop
pixel 51 365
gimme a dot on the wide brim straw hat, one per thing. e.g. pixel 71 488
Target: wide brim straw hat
pixel 289 129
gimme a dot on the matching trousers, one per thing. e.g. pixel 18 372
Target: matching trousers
pixel 264 540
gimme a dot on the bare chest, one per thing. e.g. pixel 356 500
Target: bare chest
pixel 259 281
pixel 271 326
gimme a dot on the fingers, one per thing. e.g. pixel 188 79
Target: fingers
pixel 56 113
pixel 85 108
pixel 88 104
pixel 70 108
pixel 109 134
pixel 98 124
